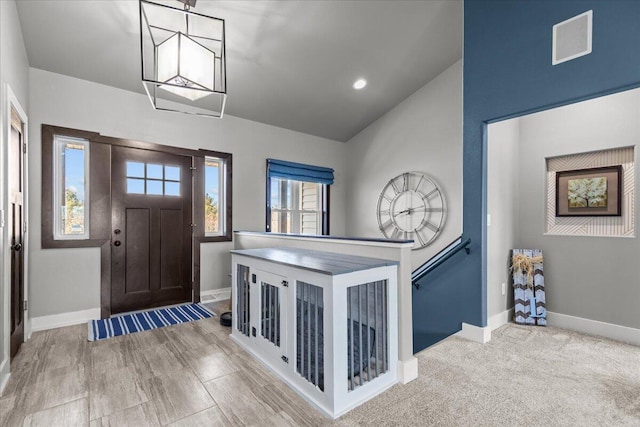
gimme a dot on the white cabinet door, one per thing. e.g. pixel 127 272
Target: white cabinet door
pixel 270 299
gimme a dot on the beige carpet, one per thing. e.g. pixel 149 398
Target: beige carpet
pixel 526 376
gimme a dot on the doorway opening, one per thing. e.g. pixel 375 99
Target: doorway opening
pixel 16 221
pixel 151 206
pixel 583 253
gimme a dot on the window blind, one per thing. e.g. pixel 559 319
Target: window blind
pixel 299 172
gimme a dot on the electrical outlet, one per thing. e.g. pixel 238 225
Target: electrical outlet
pixel 504 288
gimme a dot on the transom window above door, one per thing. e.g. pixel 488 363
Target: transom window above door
pixel 153 179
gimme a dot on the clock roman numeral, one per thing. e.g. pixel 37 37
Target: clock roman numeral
pixel 430 226
pixel 405 182
pixel 395 187
pixel 419 182
pixel 385 225
pixel 431 193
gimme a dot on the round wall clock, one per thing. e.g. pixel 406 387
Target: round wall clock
pixel 411 206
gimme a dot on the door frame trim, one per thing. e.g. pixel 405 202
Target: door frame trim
pixel 105 247
pixel 100 228
pixel 12 103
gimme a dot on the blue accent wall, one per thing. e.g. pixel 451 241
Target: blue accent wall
pixel 436 308
pixel 508 72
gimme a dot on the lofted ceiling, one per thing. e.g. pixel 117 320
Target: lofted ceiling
pixel 289 63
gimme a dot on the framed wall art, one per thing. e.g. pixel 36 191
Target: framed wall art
pixel 589 192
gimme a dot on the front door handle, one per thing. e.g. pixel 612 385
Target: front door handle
pixel 117 243
pixel 16 247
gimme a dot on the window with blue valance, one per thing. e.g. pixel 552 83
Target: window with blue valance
pixel 299 172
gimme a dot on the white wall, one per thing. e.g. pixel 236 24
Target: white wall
pixel 503 206
pixel 592 278
pixel 14 70
pixel 66 280
pixel 422 133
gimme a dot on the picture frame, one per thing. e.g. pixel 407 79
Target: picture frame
pixel 589 192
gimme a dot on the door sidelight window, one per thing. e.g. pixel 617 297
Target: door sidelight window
pixel 71 188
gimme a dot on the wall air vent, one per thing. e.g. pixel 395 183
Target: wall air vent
pixel 572 38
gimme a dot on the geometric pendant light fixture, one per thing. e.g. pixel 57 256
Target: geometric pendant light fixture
pixel 183 59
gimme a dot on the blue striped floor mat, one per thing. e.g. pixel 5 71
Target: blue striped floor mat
pixel 146 320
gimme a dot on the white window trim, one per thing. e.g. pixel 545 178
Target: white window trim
pixel 297 213
pixel 58 142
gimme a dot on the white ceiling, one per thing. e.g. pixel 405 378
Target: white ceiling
pixel 289 63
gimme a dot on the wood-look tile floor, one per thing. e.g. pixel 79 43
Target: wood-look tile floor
pixel 184 375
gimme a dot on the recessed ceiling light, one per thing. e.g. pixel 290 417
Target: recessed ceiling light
pixel 359 84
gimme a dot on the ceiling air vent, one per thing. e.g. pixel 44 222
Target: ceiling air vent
pixel 572 38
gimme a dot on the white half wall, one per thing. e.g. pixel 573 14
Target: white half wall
pixel 422 133
pixel 68 280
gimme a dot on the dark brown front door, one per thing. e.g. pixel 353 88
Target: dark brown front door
pixel 16 233
pixel 151 240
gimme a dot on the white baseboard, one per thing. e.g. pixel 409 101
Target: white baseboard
pixel 500 319
pixel 4 374
pixel 475 333
pixel 579 324
pixel 483 334
pixel 215 295
pixel 407 370
pixel 594 327
pixel 64 319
